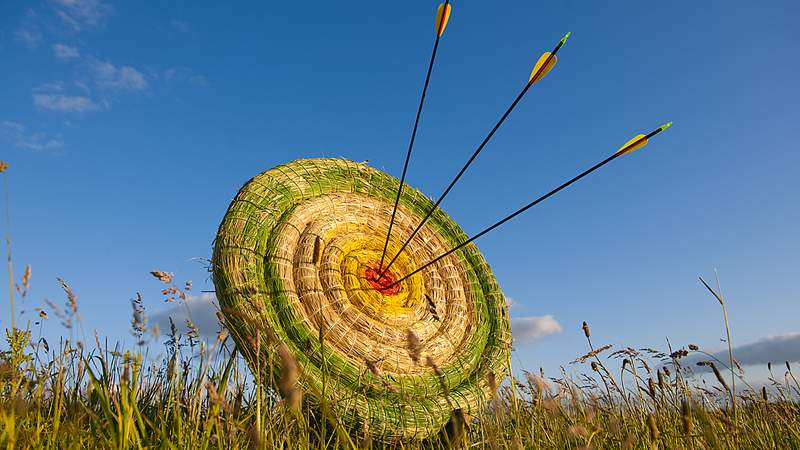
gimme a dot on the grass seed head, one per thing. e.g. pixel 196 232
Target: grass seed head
pixel 579 430
pixel 317 256
pixel 628 443
pixel 287 384
pixel 652 427
pixel 413 345
pixel 372 367
pixel 454 429
pixel 491 378
pixel 717 373
pixel 366 436
pixel 26 277
pixel 686 418
pixel 164 277
pixel 256 439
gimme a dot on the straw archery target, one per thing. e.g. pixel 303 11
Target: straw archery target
pixel 296 258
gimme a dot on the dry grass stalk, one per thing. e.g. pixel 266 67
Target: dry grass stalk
pixel 592 353
pixel 717 373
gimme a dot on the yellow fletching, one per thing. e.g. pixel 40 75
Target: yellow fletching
pixel 638 145
pixel 545 70
pixel 441 24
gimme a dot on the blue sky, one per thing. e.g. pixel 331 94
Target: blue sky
pixel 129 126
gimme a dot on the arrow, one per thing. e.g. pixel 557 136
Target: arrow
pixel 540 69
pixel 442 16
pixel 636 143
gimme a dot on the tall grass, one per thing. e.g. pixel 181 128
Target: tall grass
pixel 88 394
pixel 201 395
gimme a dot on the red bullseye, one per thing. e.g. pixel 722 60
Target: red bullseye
pixel 384 285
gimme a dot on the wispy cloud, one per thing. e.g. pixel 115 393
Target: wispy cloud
pixel 203 312
pixel 65 52
pixel 30 37
pixel 184 74
pixel 28 31
pixel 776 349
pixel 66 103
pixel 531 328
pixel 81 14
pixel 17 134
pixel 52 86
pixel 117 78
pixel 180 25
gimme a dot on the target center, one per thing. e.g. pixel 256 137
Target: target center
pixel 383 284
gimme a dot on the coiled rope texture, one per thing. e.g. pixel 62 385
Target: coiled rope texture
pixel 268 282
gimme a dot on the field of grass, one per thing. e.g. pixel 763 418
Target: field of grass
pixel 89 395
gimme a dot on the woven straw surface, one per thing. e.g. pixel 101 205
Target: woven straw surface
pixel 292 262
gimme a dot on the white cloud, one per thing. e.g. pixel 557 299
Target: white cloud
pixel 531 328
pixel 108 76
pixel 202 309
pixel 65 103
pixel 65 52
pixel 81 14
pixel 184 74
pixel 16 132
pixel 775 349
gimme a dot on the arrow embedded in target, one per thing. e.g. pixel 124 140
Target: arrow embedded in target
pixel 635 143
pixel 543 66
pixel 442 16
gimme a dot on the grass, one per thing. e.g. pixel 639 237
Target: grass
pixel 87 394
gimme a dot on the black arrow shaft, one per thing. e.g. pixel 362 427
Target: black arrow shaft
pixel 532 204
pixel 414 130
pixel 472 158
